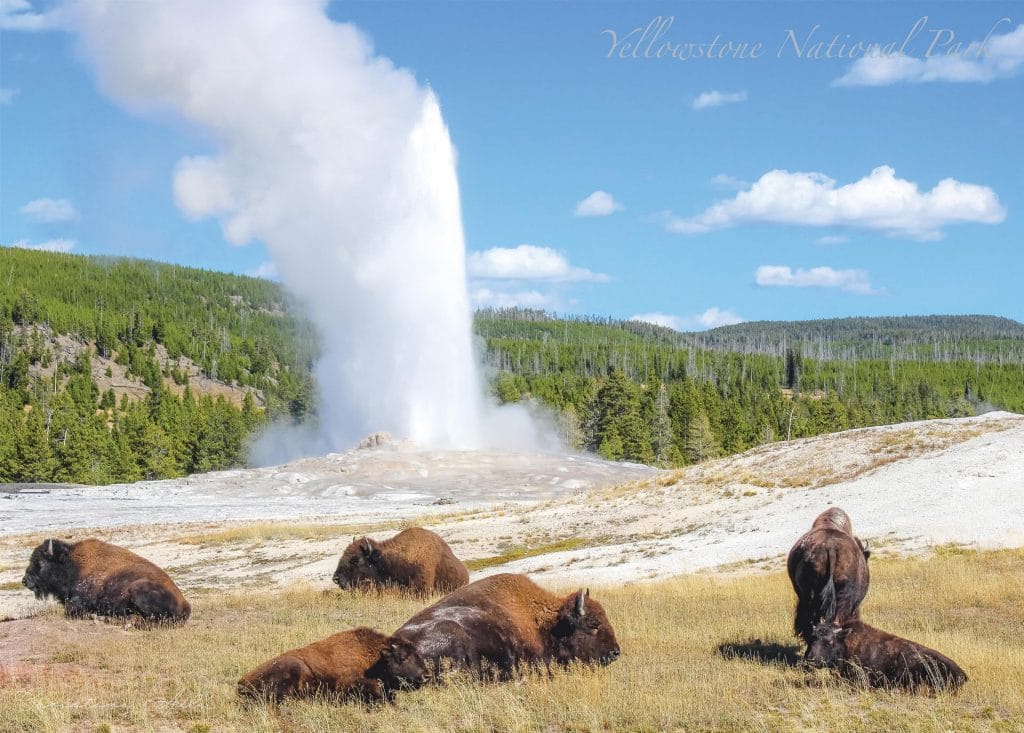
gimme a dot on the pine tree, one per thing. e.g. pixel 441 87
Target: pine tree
pixel 700 440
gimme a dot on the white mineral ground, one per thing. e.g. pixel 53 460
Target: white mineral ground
pixel 907 487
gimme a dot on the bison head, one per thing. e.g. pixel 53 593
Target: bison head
pixel 582 632
pixel 399 666
pixel 50 571
pixel 827 648
pixel 359 564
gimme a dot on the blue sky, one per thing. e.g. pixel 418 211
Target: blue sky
pixel 778 187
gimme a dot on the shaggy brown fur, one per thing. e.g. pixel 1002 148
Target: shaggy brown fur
pixel 835 518
pixel 885 659
pixel 333 666
pixel 94 577
pixel 829 571
pixel 491 627
pixel 415 559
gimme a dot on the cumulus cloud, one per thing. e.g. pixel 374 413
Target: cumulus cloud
pixel 832 239
pixel 19 15
pixel 599 203
pixel 724 180
pixel 711 318
pixel 265 270
pixel 782 276
pixel 50 245
pixel 877 202
pixel 49 210
pixel 485 297
pixel 7 95
pixel 1002 55
pixel 715 98
pixel 528 262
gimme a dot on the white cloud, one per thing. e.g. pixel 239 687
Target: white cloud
pixel 527 262
pixel 711 318
pixel 877 202
pixel 1001 56
pixel 19 15
pixel 832 239
pixel 714 98
pixel 50 245
pixel 660 319
pixel 49 210
pixel 599 203
pixel 724 180
pixel 7 95
pixel 782 276
pixel 484 297
pixel 266 270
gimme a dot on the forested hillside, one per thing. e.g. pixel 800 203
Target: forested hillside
pixel 190 364
pixel 641 392
pixel 119 369
pixel 934 338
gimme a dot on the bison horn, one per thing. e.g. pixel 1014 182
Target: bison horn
pixel 366 545
pixel 49 548
pixel 581 609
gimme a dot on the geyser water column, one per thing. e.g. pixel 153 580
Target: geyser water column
pixel 342 165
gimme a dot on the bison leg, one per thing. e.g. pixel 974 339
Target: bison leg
pixel 805 618
pixel 77 607
pixel 151 601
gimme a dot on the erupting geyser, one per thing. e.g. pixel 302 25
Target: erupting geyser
pixel 339 162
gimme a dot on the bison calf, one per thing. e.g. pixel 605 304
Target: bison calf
pixel 415 559
pixel 333 666
pixel 491 627
pixel 829 571
pixel 94 577
pixel 886 660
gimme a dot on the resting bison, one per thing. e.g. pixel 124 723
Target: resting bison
pixel 491 627
pixel 93 577
pixel 829 571
pixel 333 666
pixel 885 659
pixel 415 558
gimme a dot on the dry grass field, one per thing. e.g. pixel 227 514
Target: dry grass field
pixel 688 662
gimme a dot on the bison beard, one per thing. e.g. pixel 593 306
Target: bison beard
pixel 333 666
pixel 95 577
pixel 493 626
pixel 884 659
pixel 415 559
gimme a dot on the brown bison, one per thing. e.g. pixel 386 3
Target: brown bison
pixel 94 577
pixel 885 660
pixel 829 571
pixel 493 626
pixel 333 666
pixel 415 559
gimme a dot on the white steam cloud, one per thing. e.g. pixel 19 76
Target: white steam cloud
pixel 342 165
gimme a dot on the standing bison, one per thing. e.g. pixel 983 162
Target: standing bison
pixel 493 626
pixel 886 660
pixel 333 666
pixel 94 577
pixel 415 559
pixel 829 571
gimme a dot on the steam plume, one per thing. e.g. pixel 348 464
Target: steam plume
pixel 341 163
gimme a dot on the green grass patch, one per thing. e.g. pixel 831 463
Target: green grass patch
pixel 521 551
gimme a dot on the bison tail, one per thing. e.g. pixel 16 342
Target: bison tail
pixel 827 602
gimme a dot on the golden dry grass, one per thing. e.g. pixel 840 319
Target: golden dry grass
pixel 672 675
